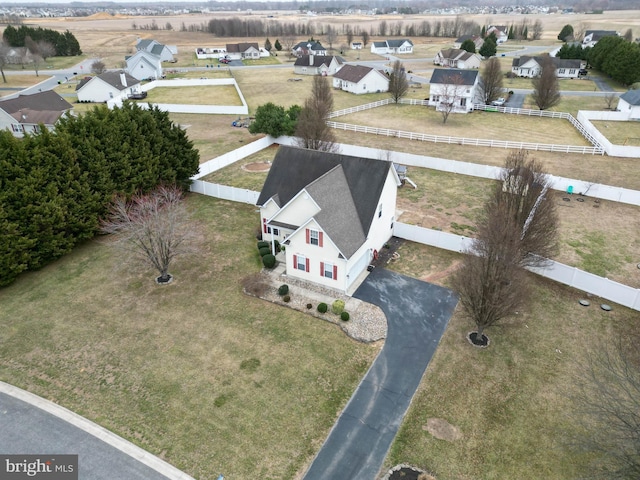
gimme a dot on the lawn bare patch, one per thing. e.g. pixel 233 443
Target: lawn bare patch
pixel 197 95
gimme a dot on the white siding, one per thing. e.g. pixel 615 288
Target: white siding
pixel 298 210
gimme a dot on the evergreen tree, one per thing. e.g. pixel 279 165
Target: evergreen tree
pixel 278 45
pixel 468 45
pixel 511 35
pixel 566 33
pixel 267 45
pixel 489 47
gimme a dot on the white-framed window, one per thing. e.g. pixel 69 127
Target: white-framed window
pixel 328 270
pixel 463 102
pixel 300 262
pixel 18 128
pixel 572 71
pixel 314 237
pixel 562 70
pixel 273 230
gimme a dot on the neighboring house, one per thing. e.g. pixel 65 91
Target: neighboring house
pixel 317 65
pixel 240 51
pixel 106 86
pixel 165 52
pixel 211 52
pixel 453 86
pixel 591 37
pixel 456 58
pixel 309 48
pixel 16 56
pixel 630 103
pixel 392 47
pixel 477 40
pixel 144 65
pixel 530 67
pixel 501 32
pixel 332 212
pixel 360 79
pixel 356 45
pixel 25 113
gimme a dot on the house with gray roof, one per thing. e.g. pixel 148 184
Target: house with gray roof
pixel 395 47
pixel 144 65
pixel 165 52
pixel 25 113
pixel 456 58
pixel 239 51
pixel 531 67
pixel 317 65
pixel 630 103
pixel 106 86
pixel 332 212
pixel 476 39
pixel 453 87
pixel 360 79
pixel 309 48
pixel 591 37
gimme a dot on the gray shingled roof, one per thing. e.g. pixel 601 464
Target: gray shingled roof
pixel 318 60
pixel 113 79
pixel 598 34
pixel 632 97
pixel 398 43
pixel 444 76
pixel 296 168
pixel 314 46
pixel 558 62
pixel 241 47
pixel 144 44
pixel 43 107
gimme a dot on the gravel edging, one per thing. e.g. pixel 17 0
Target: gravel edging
pixel 367 322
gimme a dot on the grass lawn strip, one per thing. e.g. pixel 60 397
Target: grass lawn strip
pixel 198 373
pixel 619 133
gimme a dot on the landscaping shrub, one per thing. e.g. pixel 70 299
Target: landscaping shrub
pixel 337 307
pixel 264 251
pixel 309 306
pixel 286 299
pixel 262 244
pixel 344 316
pixel 283 290
pixel 277 245
pixel 269 261
pixel 322 307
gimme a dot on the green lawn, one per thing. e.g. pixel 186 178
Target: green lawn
pixel 196 95
pixel 196 372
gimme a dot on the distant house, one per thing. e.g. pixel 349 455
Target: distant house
pixel 530 67
pixel 356 45
pixel 453 86
pixel 501 32
pixel 241 51
pixel 106 86
pixel 309 48
pixel 392 47
pixel 332 212
pixel 630 103
pixel 591 37
pixel 359 79
pixel 165 52
pixel 144 65
pixel 16 55
pixel 210 52
pixel 317 65
pixel 25 113
pixel 456 58
pixel 477 40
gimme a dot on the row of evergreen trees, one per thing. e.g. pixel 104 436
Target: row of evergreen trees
pixel 65 44
pixel 54 186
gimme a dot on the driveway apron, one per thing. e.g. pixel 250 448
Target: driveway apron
pixel 417 315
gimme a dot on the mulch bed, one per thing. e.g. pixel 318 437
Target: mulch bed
pixel 385 254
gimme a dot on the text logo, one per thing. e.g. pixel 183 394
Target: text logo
pixel 45 467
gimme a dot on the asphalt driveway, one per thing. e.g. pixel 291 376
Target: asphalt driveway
pixel 417 315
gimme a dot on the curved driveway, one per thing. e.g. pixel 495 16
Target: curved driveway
pixel 417 314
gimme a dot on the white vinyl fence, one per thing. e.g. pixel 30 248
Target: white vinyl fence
pixel 225 192
pixel 574 277
pixel 233 156
pixel 613 150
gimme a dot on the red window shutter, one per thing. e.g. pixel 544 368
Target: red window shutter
pixel 322 269
pixel 308 235
pixel 307 265
pixel 320 239
pixel 295 262
pixel 335 272
pixel 264 225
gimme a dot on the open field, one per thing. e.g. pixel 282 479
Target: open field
pixel 15 83
pixel 196 372
pixel 477 124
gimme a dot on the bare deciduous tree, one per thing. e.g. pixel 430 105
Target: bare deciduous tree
pixel 151 227
pixel 451 93
pixel 4 53
pixel 288 42
pixel 365 38
pixel 536 30
pixel 349 36
pixel 398 84
pixel 331 37
pixel 579 31
pixel 628 35
pixel 312 129
pixel 607 411
pixel 491 80
pixel 98 67
pixel 609 98
pixel 518 229
pixel 546 91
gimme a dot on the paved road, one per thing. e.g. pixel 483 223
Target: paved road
pixel 32 425
pixel 417 314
